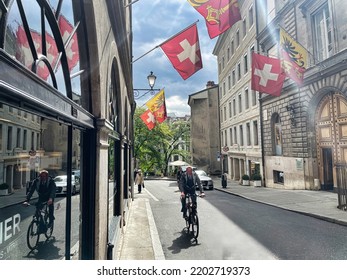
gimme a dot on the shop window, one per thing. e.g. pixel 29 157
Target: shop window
pixel 20 168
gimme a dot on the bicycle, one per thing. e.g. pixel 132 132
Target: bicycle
pixel 39 225
pixel 192 220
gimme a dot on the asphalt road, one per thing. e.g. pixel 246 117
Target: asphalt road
pixel 235 228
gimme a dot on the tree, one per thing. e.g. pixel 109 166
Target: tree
pixel 153 148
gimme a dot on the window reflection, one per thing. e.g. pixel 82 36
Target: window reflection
pixel 28 144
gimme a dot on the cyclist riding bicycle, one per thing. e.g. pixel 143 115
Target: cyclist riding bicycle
pixel 187 184
pixel 45 187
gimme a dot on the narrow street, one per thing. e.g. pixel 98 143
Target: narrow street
pixel 236 228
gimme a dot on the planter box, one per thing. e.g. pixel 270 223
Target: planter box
pixel 257 183
pixel 4 192
pixel 245 182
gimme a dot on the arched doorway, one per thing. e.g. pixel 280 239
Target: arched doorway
pixel 331 133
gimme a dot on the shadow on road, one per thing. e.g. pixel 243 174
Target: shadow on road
pixel 46 250
pixel 184 241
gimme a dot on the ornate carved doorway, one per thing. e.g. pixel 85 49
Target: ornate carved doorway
pixel 331 133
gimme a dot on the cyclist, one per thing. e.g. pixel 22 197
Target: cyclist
pixel 45 187
pixel 187 184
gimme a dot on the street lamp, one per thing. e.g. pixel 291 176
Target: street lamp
pixel 151 79
pixel 151 82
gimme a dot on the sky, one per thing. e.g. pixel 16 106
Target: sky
pixel 154 22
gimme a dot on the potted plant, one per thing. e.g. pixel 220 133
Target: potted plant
pixel 245 180
pixel 4 189
pixel 257 180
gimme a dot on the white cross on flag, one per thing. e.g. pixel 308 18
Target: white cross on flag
pixel 149 119
pixel 183 50
pixel 267 74
pixel 72 52
pixel 24 55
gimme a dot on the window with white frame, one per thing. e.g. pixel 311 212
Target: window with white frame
pixel 234 106
pixel 231 136
pixel 235 135
pixel 230 110
pixel 271 11
pixel 254 98
pixel 248 127
pixel 323 30
pixel 246 99
pixel 255 133
pixel 241 135
pixel 250 16
pixel 244 28
pixel 240 103
pixel 239 71
pixel 245 63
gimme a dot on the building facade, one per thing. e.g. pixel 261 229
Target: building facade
pixel 205 141
pixel 304 130
pixel 239 105
pixel 66 105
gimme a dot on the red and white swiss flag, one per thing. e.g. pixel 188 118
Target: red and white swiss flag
pixel 72 52
pixel 149 119
pixel 183 50
pixel 267 74
pixel 24 55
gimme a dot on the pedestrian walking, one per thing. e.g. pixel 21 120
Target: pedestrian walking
pixel 224 179
pixel 139 180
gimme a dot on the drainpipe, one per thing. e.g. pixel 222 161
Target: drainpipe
pixel 260 102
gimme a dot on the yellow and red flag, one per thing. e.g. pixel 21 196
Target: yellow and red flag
pixel 158 107
pixel 220 15
pixel 294 57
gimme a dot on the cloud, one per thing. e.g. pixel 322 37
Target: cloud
pixel 154 22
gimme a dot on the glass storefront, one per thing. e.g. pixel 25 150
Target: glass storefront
pixel 30 143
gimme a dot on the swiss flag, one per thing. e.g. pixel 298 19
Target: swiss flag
pixel 267 75
pixel 149 119
pixel 72 52
pixel 183 50
pixel 24 55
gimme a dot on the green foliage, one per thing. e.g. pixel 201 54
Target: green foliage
pixel 245 177
pixel 4 186
pixel 256 177
pixel 153 148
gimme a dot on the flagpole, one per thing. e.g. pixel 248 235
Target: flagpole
pixel 164 42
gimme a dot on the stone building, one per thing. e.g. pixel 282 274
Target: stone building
pixel 305 129
pixel 67 106
pixel 239 105
pixel 204 130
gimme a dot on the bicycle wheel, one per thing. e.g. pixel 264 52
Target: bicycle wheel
pixel 195 225
pixel 33 235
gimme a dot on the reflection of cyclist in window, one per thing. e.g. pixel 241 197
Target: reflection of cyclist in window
pixel 187 184
pixel 45 188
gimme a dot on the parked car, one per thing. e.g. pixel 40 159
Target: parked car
pixel 206 181
pixel 61 183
